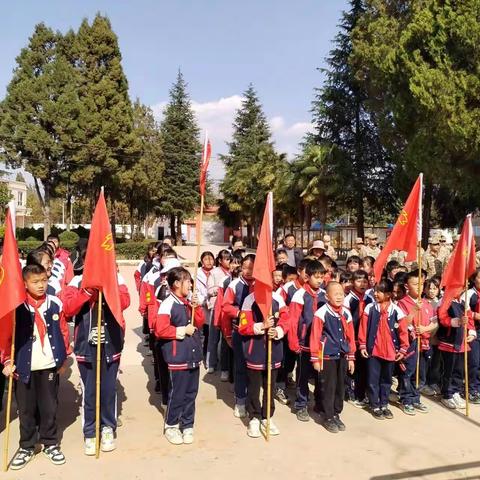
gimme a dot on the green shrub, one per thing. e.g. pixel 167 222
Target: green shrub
pixel 27 246
pixel 131 250
pixel 2 231
pixel 31 239
pixel 68 237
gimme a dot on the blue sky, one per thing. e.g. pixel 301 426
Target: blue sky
pixel 220 45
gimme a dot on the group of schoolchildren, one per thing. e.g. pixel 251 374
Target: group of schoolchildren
pixel 350 336
pixel 55 304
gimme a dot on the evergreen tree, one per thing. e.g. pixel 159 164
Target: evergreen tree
pixel 108 145
pixel 181 153
pixel 143 184
pixel 39 116
pixel 342 119
pixel 252 167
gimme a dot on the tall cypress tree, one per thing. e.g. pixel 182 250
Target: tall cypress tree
pixel 108 147
pixel 251 165
pixel 342 119
pixel 181 153
pixel 39 116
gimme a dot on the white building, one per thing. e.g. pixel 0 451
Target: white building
pixel 18 191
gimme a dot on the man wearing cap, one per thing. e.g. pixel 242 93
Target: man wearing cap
pixel 372 249
pixel 317 249
pixel 329 250
pixel 358 249
pixel 295 255
pixel 444 248
pixel 433 261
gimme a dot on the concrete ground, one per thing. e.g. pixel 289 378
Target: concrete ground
pixel 439 445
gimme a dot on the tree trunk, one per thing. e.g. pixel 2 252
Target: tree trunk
pixel 172 225
pixel 249 234
pixel 427 211
pixel 179 231
pixel 360 210
pixel 45 205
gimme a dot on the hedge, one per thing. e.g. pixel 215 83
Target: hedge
pixel 128 250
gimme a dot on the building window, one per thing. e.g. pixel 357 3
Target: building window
pixel 20 199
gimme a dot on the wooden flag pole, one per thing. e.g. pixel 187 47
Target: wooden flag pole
pixel 465 344
pixel 269 385
pixel 9 398
pixel 419 313
pixel 199 241
pixel 99 366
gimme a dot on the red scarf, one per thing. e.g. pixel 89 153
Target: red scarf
pixel 384 338
pixel 361 303
pixel 206 272
pixel 339 312
pixel 39 322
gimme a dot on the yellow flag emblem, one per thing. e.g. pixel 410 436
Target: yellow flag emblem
pixel 107 243
pixel 243 319
pixel 2 274
pixel 148 296
pixel 403 219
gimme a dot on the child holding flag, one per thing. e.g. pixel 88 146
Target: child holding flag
pixel 182 350
pixel 253 327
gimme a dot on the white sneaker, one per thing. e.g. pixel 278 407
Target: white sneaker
pixel 253 429
pixel 174 435
pixel 224 376
pixel 107 442
pixel 459 401
pixel 239 411
pixel 449 403
pixel 210 370
pixel 188 436
pixel 90 444
pixel 274 430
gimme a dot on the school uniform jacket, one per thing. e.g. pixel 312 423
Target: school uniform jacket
pixel 255 340
pixel 181 352
pixel 142 269
pixel 408 305
pixel 57 331
pixel 305 302
pixel 83 306
pixel 62 267
pixel 146 291
pixel 356 304
pixel 287 291
pixel 450 334
pixel 473 298
pixel 236 292
pixel 202 286
pixel 332 335
pixel 369 331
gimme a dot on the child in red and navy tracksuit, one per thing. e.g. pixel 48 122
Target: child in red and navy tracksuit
pixel 41 348
pixel 473 298
pixel 82 304
pixel 145 265
pixel 452 320
pixel 332 350
pixel 235 294
pixel 415 310
pixel 182 350
pixel 356 301
pixel 383 340
pixel 305 302
pixel 255 330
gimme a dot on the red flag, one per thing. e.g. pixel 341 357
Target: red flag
pixel 460 266
pixel 12 288
pixel 407 231
pixel 207 152
pixel 100 268
pixel 265 262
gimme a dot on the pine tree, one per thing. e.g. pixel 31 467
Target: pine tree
pixel 39 116
pixel 181 153
pixel 342 119
pixel 143 184
pixel 252 168
pixel 108 147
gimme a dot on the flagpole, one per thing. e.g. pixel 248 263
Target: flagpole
pixel 269 385
pixel 97 390
pixel 197 256
pixel 465 334
pixel 9 398
pixel 419 313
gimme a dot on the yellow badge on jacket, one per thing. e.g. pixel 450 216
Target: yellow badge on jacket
pixel 243 319
pixel 55 316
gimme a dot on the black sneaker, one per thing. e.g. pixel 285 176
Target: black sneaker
pixel 55 455
pixel 303 415
pixel 474 398
pixel 146 340
pixel 281 397
pixel 340 424
pixel 387 413
pixel 378 413
pixel 158 387
pixel 330 425
pixel 21 458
